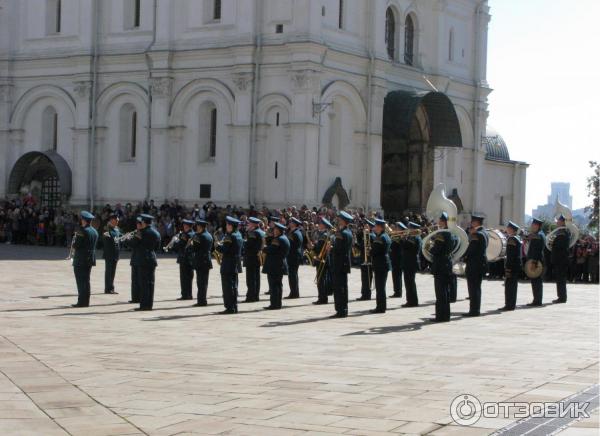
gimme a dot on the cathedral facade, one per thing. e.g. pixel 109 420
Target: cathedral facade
pixel 364 103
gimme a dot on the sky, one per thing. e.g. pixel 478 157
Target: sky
pixel 544 69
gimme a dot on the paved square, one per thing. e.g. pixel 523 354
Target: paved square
pixel 106 370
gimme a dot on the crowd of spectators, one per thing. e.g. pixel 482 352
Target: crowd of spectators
pixel 23 221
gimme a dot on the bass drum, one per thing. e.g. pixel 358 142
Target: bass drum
pixel 496 249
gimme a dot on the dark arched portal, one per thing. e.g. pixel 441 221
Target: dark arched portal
pixel 46 175
pixel 413 125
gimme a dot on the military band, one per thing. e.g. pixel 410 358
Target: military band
pixel 281 250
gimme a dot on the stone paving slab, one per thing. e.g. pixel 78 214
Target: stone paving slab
pixel 180 369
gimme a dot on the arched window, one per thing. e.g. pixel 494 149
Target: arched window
pixel 390 33
pixel 208 132
pixel 53 16
pixel 133 14
pixel 216 15
pixel 335 134
pixel 128 133
pixel 409 41
pixel 451 45
pixel 341 14
pixel 50 129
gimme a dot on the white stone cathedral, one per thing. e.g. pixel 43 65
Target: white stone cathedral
pixel 368 103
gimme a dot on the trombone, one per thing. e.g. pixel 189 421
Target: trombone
pixel 321 258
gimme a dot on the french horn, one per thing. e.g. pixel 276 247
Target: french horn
pixel 561 209
pixel 436 204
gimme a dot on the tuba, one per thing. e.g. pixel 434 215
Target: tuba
pixel 436 204
pixel 563 210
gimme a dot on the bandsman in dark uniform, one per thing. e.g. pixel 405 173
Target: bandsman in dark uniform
pixel 272 220
pixel 341 259
pixel 201 248
pixel 276 266
pixel 381 263
pixel 295 256
pixel 512 267
pixel 452 281
pixel 84 258
pixel 231 264
pixel 255 241
pixel 441 267
pixel 148 241
pixel 323 266
pixel 396 259
pixel 535 252
pixel 411 252
pixel 476 263
pixel 135 262
pixel 560 259
pixel 184 260
pixel 110 252
pixel 366 269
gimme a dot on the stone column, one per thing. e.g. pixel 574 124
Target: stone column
pixel 5 146
pixel 174 162
pixel 84 164
pixel 304 176
pixel 242 158
pixel 375 147
pixel 160 150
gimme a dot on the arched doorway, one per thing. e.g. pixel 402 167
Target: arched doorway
pixel 413 125
pixel 45 175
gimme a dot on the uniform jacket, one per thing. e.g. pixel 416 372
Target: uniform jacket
pixel 110 248
pixel 136 251
pixel 342 251
pixel 535 250
pixel 441 252
pixel 147 242
pixel 295 255
pixel 380 253
pixel 475 256
pixel 182 247
pixel 560 247
pixel 85 247
pixel 512 262
pixel 231 248
pixel 411 250
pixel 252 247
pixel 200 249
pixel 276 261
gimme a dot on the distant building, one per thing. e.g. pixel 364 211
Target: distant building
pixel 560 191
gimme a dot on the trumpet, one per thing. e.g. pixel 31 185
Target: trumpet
pixel 125 237
pixel 174 240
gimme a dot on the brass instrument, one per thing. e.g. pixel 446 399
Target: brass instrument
pixel 125 237
pixel 322 264
pixel 310 256
pixel 561 209
pixel 217 242
pixel 72 248
pixel 367 246
pixel 174 240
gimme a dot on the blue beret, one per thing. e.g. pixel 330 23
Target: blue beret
pixel 281 226
pixel 346 216
pixel 369 222
pixel 147 218
pixel 401 225
pixel 296 221
pixel 86 215
pixel 327 223
pixel 413 225
pixel 477 218
pixel 537 221
pixel 513 226
pixel 254 220
pixel 380 222
pixel 200 222
pixel 444 216
pixel 232 220
pixel 188 222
